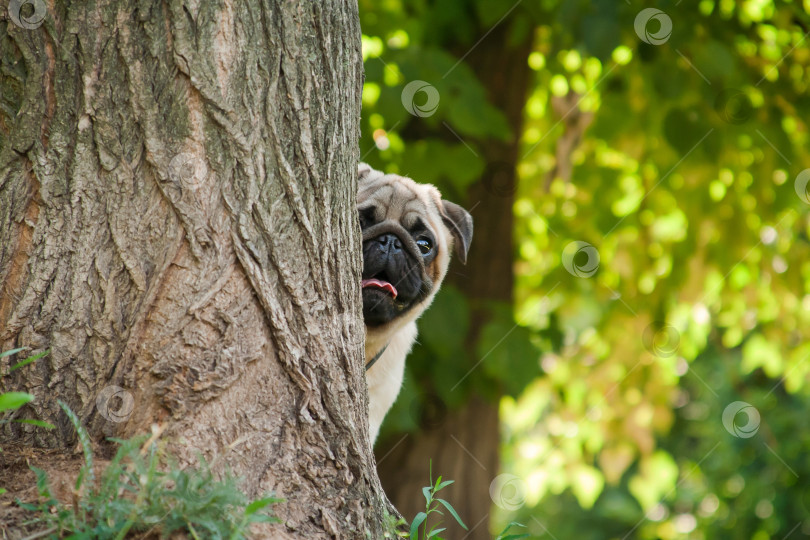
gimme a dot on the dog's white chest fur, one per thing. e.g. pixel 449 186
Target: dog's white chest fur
pixel 385 377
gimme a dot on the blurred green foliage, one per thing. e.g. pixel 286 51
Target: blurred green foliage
pixel 686 176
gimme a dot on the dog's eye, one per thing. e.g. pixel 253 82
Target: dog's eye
pixel 425 246
pixel 367 216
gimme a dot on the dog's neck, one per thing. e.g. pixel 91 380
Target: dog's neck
pixel 378 338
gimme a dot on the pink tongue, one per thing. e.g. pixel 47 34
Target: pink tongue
pixel 384 285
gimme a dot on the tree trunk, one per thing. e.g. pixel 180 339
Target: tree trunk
pixel 177 192
pixel 464 447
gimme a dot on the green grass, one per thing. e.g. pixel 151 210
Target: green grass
pixel 11 401
pixel 144 490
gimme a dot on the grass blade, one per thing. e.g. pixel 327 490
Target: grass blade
pixel 417 521
pixel 14 400
pixel 40 423
pixel 452 512
pixel 28 360
pixel 442 485
pixel 12 351
pixel 258 504
pixel 84 439
pixel 504 536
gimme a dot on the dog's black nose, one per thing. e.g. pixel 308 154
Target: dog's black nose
pixel 390 243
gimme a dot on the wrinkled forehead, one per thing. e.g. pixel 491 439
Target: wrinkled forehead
pixel 401 199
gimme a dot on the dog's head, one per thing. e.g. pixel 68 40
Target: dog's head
pixel 408 233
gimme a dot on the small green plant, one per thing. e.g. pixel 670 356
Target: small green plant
pixel 10 401
pixel 14 400
pixel 433 505
pixel 144 490
pixel 393 526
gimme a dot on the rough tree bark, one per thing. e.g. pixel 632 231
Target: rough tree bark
pixel 177 186
pixel 464 446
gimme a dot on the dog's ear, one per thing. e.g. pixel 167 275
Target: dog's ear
pixel 460 223
pixel 365 172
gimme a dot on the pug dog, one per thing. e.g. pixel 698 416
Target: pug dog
pixel 408 234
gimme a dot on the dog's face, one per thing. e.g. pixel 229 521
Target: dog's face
pixel 408 233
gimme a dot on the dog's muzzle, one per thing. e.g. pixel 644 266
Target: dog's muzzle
pixel 393 273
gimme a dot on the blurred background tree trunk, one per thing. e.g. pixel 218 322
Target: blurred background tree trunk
pixel 464 445
pixel 177 226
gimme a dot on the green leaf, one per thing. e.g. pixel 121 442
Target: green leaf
pixel 12 351
pixel 504 536
pixel 434 532
pixel 426 493
pixel 27 361
pixel 587 485
pixel 683 128
pixel 27 506
pixel 258 504
pixel 40 423
pixel 42 482
pixel 14 400
pixel 452 512
pixel 470 116
pixel 507 353
pixel 758 352
pixel 657 476
pixel 600 32
pixel 441 486
pixel 716 60
pixel 417 521
pixel 87 448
